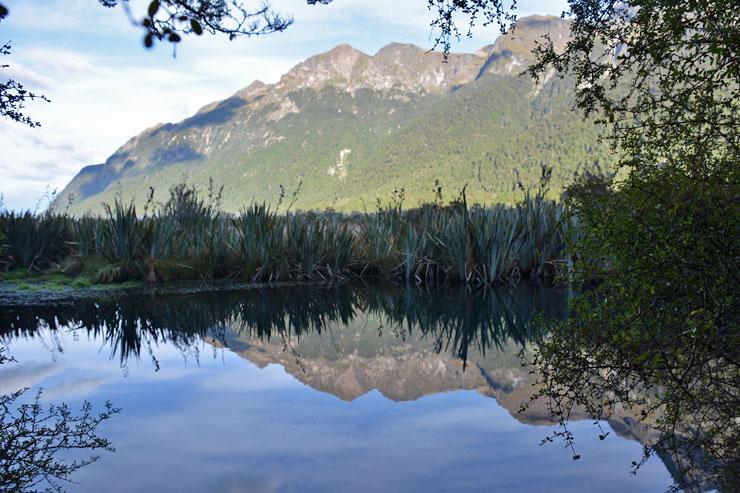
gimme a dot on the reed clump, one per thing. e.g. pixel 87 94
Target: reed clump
pixel 189 237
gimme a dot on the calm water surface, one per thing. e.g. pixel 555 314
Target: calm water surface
pixel 315 390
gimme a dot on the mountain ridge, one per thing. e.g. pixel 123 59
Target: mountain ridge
pixel 351 361
pixel 345 125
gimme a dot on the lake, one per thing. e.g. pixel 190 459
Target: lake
pixel 317 389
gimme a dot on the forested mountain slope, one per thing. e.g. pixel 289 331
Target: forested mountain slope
pixel 352 127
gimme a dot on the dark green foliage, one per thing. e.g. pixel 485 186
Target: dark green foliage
pixel 656 259
pixel 34 241
pixel 659 251
pixel 656 330
pixel 467 244
pixel 122 233
pixel 318 244
pixel 261 247
pixel 87 240
pixel 189 237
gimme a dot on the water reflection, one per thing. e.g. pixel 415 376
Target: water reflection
pixel 456 321
pixel 347 342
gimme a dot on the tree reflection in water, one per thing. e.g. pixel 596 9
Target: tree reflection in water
pixel 33 437
pixel 686 388
pixel 461 324
pixel 457 320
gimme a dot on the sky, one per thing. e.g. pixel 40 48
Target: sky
pixel 105 87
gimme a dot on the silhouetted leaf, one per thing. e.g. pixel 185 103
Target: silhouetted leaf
pixel 153 8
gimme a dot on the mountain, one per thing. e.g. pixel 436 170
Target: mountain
pixel 352 127
pixel 350 360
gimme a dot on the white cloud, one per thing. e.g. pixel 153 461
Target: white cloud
pixel 78 16
pixel 17 377
pixel 28 77
pixel 98 103
pixel 71 388
pixel 60 61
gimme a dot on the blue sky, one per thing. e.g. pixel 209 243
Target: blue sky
pixel 105 87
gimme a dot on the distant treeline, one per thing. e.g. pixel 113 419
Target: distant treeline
pixel 189 237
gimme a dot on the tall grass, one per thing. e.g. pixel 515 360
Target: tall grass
pixel 34 241
pixel 189 237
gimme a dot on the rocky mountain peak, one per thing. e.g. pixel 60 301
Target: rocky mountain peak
pixel 512 51
pixel 335 65
pixel 254 88
pixel 398 50
pixel 400 66
pixel 408 67
pixel 344 57
pixel 531 30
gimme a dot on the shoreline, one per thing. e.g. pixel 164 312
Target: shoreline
pixel 42 294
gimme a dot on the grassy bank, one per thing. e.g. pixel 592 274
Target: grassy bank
pixel 190 238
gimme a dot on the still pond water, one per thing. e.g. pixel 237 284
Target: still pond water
pixel 315 390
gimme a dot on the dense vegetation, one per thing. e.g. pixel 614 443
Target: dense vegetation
pixel 655 327
pixel 189 237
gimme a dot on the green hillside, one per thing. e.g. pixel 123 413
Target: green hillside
pixel 352 128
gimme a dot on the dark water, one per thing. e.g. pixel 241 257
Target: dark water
pixel 316 390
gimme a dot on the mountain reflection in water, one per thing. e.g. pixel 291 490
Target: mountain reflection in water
pixel 348 342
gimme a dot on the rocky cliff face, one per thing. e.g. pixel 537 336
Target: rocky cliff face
pixel 388 110
pixel 403 67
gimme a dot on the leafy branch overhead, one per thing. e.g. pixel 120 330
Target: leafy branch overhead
pixel 13 95
pixel 476 12
pixel 165 20
pixel 664 75
pixel 170 20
